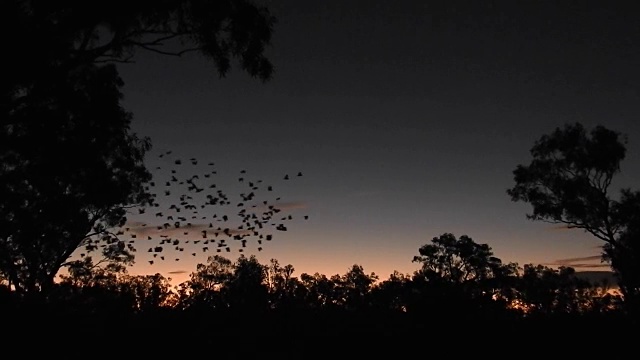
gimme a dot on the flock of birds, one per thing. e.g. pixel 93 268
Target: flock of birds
pixel 196 216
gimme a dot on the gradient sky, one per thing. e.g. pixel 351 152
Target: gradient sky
pixel 407 119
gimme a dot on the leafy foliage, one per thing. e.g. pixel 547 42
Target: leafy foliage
pixel 568 182
pixel 69 166
pixel 67 35
pixel 568 179
pixel 548 291
pixel 225 297
pixel 245 286
pixel 457 261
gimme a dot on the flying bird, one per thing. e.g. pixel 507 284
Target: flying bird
pixel 248 222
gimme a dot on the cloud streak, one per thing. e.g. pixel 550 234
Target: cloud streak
pixel 292 205
pixel 192 231
pixel 560 227
pixel 585 262
pixel 211 231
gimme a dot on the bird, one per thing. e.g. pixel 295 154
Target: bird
pixel 250 220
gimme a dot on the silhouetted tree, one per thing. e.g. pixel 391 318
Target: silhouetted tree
pixel 202 290
pixel 393 293
pixel 87 289
pixel 543 290
pixel 148 292
pixel 59 37
pixel 224 285
pixel 356 286
pixel 459 275
pixel 68 168
pixel 247 289
pixel 568 182
pixel 458 261
pixel 321 292
pixel 283 286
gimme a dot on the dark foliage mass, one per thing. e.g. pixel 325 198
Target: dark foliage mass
pixel 70 167
pixel 62 36
pixel 72 172
pixel 569 181
pixel 460 284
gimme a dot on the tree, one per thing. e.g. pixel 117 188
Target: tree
pixel 282 285
pixel 457 261
pixel 87 289
pixel 149 292
pixel 69 166
pixel 543 290
pixel 321 292
pixel 68 169
pixel 393 293
pixel 357 285
pixel 48 37
pixel 568 182
pixel 247 290
pixel 460 276
pixel 202 290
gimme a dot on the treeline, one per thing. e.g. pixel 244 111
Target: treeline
pixel 458 278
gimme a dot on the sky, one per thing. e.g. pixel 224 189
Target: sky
pixel 406 119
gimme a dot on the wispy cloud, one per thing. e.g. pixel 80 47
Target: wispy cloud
pixel 184 231
pixel 292 205
pixel 177 272
pixel 585 262
pixel 559 227
pixel 577 259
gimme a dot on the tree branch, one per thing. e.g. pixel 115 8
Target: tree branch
pixel 170 53
pixel 600 234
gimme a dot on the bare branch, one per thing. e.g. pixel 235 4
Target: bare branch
pixel 159 40
pixel 114 59
pixel 599 233
pixel 170 53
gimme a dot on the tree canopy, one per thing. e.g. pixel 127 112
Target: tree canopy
pixel 569 177
pixel 452 260
pixel 568 181
pixel 61 36
pixel 69 164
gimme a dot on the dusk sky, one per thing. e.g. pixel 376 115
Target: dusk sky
pixel 406 119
